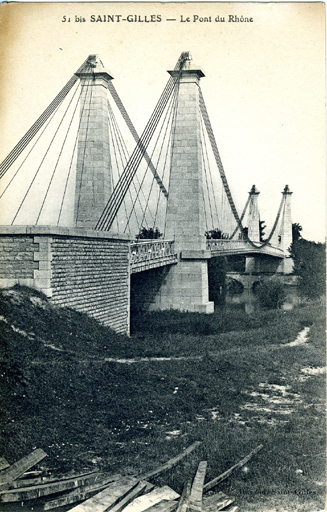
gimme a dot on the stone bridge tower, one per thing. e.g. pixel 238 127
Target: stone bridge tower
pixel 186 284
pixel 93 171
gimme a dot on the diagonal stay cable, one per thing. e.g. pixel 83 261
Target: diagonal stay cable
pixel 47 151
pixel 84 143
pixel 166 116
pixel 133 131
pixel 241 217
pixel 72 155
pixel 169 143
pixel 60 153
pixel 136 157
pixel 30 134
pixel 122 147
pixel 119 192
pixel 224 179
pixel 117 140
pixel 29 152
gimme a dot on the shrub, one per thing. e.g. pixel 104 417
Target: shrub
pixel 271 294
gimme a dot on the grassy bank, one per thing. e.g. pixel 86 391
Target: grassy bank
pixel 230 381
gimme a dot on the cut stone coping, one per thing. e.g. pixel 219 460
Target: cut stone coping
pixel 62 231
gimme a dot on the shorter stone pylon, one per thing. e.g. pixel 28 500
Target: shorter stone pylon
pixel 285 237
pixel 254 216
pixel 93 170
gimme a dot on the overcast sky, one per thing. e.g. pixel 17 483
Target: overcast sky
pixel 264 82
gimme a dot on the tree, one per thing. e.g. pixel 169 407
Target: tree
pixel 216 234
pixel 310 265
pixel 262 227
pixel 271 294
pixel 296 231
pixel 148 234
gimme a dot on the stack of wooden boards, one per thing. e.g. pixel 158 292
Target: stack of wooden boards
pixel 102 492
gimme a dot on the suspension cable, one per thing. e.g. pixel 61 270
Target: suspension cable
pixel 47 151
pixel 224 179
pixel 206 171
pixel 119 192
pixel 60 153
pixel 88 86
pixel 72 157
pixel 166 123
pixel 133 131
pixel 123 153
pixel 241 218
pixel 114 139
pixel 126 155
pixel 30 134
pixel 29 152
pixel 169 142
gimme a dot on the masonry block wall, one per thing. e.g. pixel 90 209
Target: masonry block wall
pixel 85 270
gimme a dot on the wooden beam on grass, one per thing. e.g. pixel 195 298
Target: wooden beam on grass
pixel 227 473
pixel 195 499
pixel 185 497
pixel 109 497
pixel 163 506
pixel 150 499
pixel 134 493
pixel 3 463
pixel 18 468
pixel 42 480
pixel 172 462
pixel 37 491
pixel 82 493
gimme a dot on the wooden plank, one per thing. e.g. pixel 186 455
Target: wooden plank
pixel 163 506
pixel 36 491
pixel 148 500
pixel 232 509
pixel 108 497
pixel 184 499
pixel 3 463
pixel 134 493
pixel 216 502
pixel 172 462
pixel 81 493
pixel 195 500
pixel 18 468
pixel 30 482
pixel 227 473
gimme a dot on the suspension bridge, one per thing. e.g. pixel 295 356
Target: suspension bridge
pixel 84 176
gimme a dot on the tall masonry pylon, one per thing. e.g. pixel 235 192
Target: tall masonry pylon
pixel 93 170
pixel 186 284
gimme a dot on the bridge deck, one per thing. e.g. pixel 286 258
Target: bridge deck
pixel 231 247
pixel 149 254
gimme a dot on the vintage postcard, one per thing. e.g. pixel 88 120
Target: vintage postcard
pixel 162 255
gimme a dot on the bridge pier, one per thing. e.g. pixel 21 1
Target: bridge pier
pixel 186 284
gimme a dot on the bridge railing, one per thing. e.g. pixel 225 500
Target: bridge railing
pixel 238 246
pixel 148 254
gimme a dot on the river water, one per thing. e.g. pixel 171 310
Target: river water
pixel 247 300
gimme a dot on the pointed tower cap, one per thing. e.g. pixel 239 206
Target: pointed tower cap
pixel 93 66
pixel 188 68
pixel 254 190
